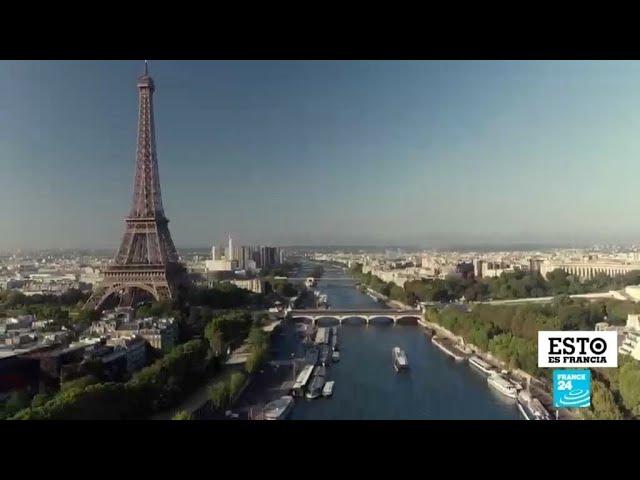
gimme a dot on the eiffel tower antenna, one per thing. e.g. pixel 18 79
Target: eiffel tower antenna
pixel 146 68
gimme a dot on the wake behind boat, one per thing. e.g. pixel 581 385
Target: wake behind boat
pixel 400 361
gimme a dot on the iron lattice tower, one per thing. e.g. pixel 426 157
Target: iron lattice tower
pixel 147 260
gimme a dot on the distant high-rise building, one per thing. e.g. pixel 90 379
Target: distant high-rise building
pixel 246 259
pixel 230 252
pixel 269 256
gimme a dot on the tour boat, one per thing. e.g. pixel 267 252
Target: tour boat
pixel 301 382
pixel 325 355
pixel 531 408
pixel 312 355
pixel 502 385
pixel 334 338
pixel 399 359
pixel 278 409
pixel 481 365
pixel 327 390
pixel 322 336
pixel 317 382
pixel 335 356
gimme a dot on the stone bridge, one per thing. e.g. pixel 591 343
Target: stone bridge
pixel 366 315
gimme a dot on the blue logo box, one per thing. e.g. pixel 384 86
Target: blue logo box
pixel 571 388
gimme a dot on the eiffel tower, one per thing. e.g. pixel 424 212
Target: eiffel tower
pixel 147 263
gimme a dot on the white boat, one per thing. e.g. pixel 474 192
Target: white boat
pixel 325 355
pixel 278 409
pixel 335 356
pixel 327 390
pixel 317 383
pixel 531 408
pixel 481 365
pixel 322 336
pixel 502 385
pixel 400 361
pixel 302 380
pixel 334 338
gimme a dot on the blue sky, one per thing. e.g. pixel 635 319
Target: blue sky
pixel 421 153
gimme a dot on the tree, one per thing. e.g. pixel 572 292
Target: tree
pixel 79 383
pixel 88 315
pixel 255 360
pixel 603 404
pixel 219 395
pixel 157 386
pixel 257 338
pixel 40 399
pixel 213 334
pixel 629 378
pixel 397 293
pixel 235 384
pixel 182 415
pixel 15 298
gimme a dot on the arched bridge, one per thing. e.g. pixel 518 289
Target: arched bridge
pixel 366 315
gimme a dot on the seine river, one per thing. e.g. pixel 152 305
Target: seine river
pixel 367 386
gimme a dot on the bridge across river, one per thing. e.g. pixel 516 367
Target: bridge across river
pixel 366 315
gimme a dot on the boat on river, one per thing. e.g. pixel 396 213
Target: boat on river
pixel 334 338
pixel 400 361
pixel 302 380
pixel 325 355
pixel 317 383
pixel 312 356
pixel 531 408
pixel 502 385
pixel 481 365
pixel 278 409
pixel 322 336
pixel 327 390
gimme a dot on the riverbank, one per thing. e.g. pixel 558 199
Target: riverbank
pixel 386 300
pixel 195 403
pixel 539 388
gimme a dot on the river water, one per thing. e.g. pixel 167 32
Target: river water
pixel 368 388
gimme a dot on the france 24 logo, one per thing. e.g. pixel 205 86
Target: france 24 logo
pixel 572 388
pixel 578 349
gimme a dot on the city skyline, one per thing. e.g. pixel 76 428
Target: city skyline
pixel 326 153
